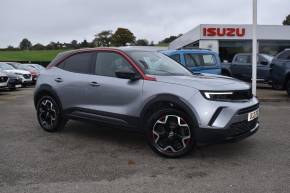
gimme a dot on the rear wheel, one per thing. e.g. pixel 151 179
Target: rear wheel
pixel 49 114
pixel 170 133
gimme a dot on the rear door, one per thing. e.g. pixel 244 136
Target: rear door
pixel 70 79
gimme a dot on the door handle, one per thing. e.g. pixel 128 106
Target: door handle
pixel 58 80
pixel 94 84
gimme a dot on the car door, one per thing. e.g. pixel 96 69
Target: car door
pixel 108 95
pixel 70 79
pixel 241 67
pixel 263 68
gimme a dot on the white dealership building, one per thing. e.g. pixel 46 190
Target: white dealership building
pixel 228 40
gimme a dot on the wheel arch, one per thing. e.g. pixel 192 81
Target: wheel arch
pixel 45 90
pixel 166 101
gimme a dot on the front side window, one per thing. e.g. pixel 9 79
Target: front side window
pixel 79 63
pixel 154 63
pixel 284 55
pixel 108 63
pixel 199 60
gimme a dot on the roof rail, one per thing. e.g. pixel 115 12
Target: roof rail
pixel 194 48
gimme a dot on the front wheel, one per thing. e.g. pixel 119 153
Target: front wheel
pixel 170 133
pixel 49 114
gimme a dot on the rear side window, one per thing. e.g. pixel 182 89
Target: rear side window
pixel 175 57
pixel 79 63
pixel 197 60
pixel 107 63
pixel 284 55
pixel 243 59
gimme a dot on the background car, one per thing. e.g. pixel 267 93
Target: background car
pixel 280 71
pixel 3 80
pixel 37 67
pixel 197 60
pixel 24 75
pixel 33 71
pixel 241 67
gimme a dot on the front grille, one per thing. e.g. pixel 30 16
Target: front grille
pixel 27 76
pixel 241 95
pixel 14 81
pixel 248 109
pixel 3 78
pixel 240 128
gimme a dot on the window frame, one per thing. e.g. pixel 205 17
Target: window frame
pixel 59 65
pixel 94 63
pixel 196 63
pixel 242 63
pixel 178 55
pixel 287 52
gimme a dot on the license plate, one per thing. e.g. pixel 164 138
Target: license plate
pixel 17 86
pixel 253 115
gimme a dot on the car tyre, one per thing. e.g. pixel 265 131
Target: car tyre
pixel 170 133
pixel 49 114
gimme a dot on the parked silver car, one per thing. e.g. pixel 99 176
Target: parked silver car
pixel 147 91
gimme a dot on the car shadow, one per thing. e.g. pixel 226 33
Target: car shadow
pixel 121 136
pixel 136 140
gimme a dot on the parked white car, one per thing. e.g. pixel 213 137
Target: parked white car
pixel 25 76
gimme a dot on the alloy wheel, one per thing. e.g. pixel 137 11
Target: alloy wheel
pixel 171 134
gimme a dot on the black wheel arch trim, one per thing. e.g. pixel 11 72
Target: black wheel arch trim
pixel 171 99
pixel 48 89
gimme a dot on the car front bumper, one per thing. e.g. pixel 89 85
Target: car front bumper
pixel 3 84
pixel 218 121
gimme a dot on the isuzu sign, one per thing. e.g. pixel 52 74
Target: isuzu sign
pixel 224 32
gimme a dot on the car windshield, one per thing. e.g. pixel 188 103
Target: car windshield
pixel 39 67
pixel 268 57
pixel 154 63
pixel 26 67
pixel 4 66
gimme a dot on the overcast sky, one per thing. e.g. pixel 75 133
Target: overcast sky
pixel 42 21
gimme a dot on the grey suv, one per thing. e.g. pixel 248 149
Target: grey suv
pixel 147 91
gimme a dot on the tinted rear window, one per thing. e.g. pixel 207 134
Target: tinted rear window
pixel 79 63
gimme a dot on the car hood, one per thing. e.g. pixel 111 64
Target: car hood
pixel 206 82
pixel 17 71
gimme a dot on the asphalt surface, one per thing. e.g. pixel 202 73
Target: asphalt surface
pixel 89 158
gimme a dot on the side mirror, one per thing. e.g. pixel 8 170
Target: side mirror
pixel 127 74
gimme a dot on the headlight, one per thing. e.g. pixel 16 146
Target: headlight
pixel 217 96
pixel 228 96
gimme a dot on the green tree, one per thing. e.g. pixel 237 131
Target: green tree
pixel 38 46
pixel 25 44
pixel 103 39
pixel 122 37
pixel 142 42
pixel 287 20
pixel 169 39
pixel 84 44
pixel 74 44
